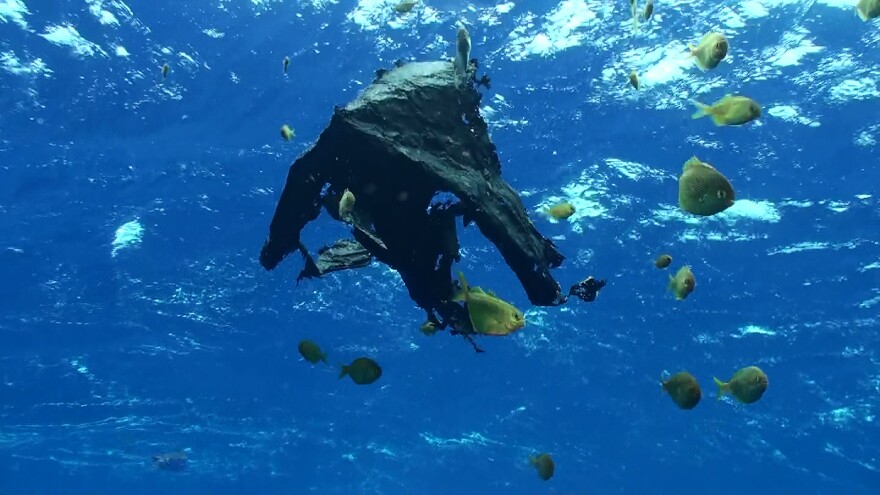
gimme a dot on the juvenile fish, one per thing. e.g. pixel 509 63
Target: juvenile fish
pixel 730 110
pixel 710 51
pixel 429 328
pixel 703 190
pixel 363 371
pixel 663 261
pixel 561 211
pixel 346 205
pixel 634 79
pixel 747 385
pixel 488 314
pixel 543 463
pixel 286 63
pixel 165 70
pixel 311 352
pixel 683 388
pixel 405 6
pixel 683 283
pixel 287 133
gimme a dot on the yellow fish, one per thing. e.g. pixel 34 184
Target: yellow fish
pixel 405 6
pixel 634 79
pixel 868 9
pixel 730 110
pixel 710 51
pixel 287 133
pixel 346 205
pixel 702 190
pixel 429 328
pixel 747 385
pixel 683 283
pixel 561 211
pixel 488 314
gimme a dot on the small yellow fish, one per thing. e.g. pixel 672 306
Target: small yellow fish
pixel 747 385
pixel 429 328
pixel 683 389
pixel 363 371
pixel 287 133
pixel 730 110
pixel 405 6
pixel 489 315
pixel 346 205
pixel 663 261
pixel 868 9
pixel 311 352
pixel 561 211
pixel 634 79
pixel 703 190
pixel 543 463
pixel 286 63
pixel 649 9
pixel 165 70
pixel 683 283
pixel 710 51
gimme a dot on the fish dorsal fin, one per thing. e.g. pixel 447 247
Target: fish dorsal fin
pixel 693 162
pixel 476 290
pixel 489 292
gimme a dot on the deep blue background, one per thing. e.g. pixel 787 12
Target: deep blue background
pixel 182 341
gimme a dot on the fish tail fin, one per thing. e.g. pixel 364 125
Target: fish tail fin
pixel 702 110
pixel 722 387
pixel 462 294
pixel 343 370
pixel 664 375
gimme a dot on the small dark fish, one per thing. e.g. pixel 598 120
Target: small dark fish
pixel 311 352
pixel 683 388
pixel 663 261
pixel 362 371
pixel 544 464
pixel 172 461
pixel 165 70
pixel 286 64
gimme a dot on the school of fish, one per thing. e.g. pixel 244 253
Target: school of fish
pixel 702 191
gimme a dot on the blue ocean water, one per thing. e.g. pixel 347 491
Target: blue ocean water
pixel 136 318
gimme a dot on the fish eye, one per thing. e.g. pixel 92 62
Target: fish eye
pixel 722 194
